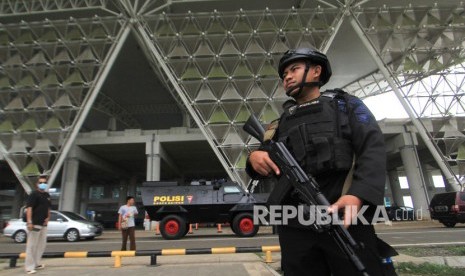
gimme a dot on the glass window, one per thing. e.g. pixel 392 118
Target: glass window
pixel 115 192
pixel 55 217
pixel 138 192
pixel 408 201
pixel 96 192
pixel 231 190
pixel 462 196
pixel 438 181
pixel 403 182
pixel 73 216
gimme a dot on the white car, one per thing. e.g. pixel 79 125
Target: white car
pixel 67 225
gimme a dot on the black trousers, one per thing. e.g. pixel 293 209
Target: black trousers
pixel 305 252
pixel 130 231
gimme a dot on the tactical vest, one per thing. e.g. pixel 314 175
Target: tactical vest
pixel 312 132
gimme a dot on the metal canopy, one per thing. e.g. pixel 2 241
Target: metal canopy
pixel 213 63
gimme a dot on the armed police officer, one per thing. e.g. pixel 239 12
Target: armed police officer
pixel 337 140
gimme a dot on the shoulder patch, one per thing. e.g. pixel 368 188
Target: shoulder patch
pixel 362 114
pixel 355 102
pixel 271 130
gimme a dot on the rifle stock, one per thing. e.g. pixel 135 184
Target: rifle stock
pixel 293 176
pixel 254 128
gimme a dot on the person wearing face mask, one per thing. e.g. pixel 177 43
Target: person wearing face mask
pixel 37 215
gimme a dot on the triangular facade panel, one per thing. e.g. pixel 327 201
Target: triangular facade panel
pixel 221 63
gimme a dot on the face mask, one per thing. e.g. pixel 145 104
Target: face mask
pixel 43 186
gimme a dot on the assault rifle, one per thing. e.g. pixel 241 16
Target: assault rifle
pixel 292 176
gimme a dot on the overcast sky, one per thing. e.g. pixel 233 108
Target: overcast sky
pixel 385 106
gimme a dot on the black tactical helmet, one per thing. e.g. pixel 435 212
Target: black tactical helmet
pixel 313 56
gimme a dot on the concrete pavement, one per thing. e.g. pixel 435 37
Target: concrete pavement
pixel 219 264
pixel 195 265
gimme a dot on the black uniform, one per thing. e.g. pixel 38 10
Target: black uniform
pixel 324 135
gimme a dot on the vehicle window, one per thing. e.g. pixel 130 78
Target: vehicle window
pixel 444 199
pixel 53 217
pixel 232 197
pixel 462 196
pixel 61 217
pixel 73 216
pixel 231 190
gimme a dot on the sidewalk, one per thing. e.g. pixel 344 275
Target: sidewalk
pixel 195 265
pixel 219 264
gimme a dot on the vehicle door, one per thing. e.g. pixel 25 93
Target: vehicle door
pixel 57 225
pixel 204 201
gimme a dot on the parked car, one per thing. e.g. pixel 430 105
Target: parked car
pixel 400 213
pixel 67 225
pixel 448 208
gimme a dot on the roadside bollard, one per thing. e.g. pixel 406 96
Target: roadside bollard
pixel 190 229
pixel 153 260
pixel 196 226
pixel 117 261
pixel 219 228
pixel 268 257
pixel 119 256
pixel 13 262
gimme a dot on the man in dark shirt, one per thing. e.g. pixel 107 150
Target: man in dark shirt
pixel 37 214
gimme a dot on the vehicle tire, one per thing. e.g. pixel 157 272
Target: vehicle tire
pixel 172 227
pixel 72 235
pixel 449 224
pixel 187 230
pixel 233 229
pixel 243 224
pixel 20 236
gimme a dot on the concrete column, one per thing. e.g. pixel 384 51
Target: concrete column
pixel 69 185
pixel 123 191
pixel 19 200
pixel 396 191
pixel 132 186
pixel 415 179
pixel 429 184
pixel 84 198
pixel 387 190
pixel 152 149
pixel 153 167
pixel 449 187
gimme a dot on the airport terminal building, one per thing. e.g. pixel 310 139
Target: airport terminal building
pixel 103 95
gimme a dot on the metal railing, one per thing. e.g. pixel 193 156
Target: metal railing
pixel 118 255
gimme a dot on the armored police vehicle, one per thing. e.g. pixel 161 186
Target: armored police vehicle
pixel 177 206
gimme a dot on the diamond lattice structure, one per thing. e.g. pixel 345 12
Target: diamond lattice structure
pixel 220 66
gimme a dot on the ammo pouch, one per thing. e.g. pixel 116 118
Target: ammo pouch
pixel 315 140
